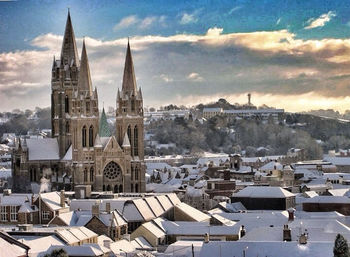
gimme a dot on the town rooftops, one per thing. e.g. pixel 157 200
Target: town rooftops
pixel 271 249
pixel 263 192
pixel 132 208
pixel 329 199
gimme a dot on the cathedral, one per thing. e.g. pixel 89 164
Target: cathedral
pixel 82 152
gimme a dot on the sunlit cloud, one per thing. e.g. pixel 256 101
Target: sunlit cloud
pixel 126 22
pixel 134 20
pixel 274 65
pixel 320 21
pixel 194 76
pixel 187 18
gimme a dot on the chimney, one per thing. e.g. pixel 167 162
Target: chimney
pixel 62 199
pixel 303 239
pixel 249 99
pixel 243 231
pixel 7 192
pixel 287 233
pixel 291 214
pixel 206 238
pixel 108 207
pixel 107 243
pixel 95 210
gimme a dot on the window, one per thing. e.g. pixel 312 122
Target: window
pixel 67 127
pixel 132 104
pixel 83 135
pixel 3 213
pixel 92 174
pixel 136 143
pixel 46 215
pixel 87 106
pixel 13 213
pixel 85 175
pixel 136 173
pixel 129 136
pixel 91 136
pixel 66 104
pixel 136 188
pixel 112 171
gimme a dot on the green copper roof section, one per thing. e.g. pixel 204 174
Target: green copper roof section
pixel 104 129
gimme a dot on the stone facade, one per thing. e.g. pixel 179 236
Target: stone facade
pixel 85 155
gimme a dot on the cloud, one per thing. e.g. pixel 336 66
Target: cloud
pixel 126 22
pixel 274 65
pixel 188 18
pixel 166 78
pixel 320 21
pixel 234 9
pixel 278 21
pixel 145 23
pixel 194 77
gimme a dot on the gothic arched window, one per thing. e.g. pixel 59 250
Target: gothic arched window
pixel 132 104
pixel 85 175
pixel 92 174
pixel 91 136
pixel 136 141
pixel 136 173
pixel 83 136
pixel 67 127
pixel 66 104
pixel 129 136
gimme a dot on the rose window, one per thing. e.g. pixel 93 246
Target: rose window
pixel 112 170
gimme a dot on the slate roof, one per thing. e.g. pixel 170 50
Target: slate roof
pixel 40 149
pixel 263 192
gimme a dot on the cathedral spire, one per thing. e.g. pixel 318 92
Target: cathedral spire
pixel 69 53
pixel 84 81
pixel 129 80
pixel 104 129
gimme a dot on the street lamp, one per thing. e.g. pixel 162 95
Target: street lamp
pixel 244 250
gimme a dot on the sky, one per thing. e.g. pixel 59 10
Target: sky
pixel 288 54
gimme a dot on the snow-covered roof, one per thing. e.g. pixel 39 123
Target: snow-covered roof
pixel 68 155
pixel 191 212
pixel 338 161
pixel 41 244
pixel 43 149
pixel 329 199
pixel 263 192
pixel 14 199
pixel 86 250
pixel 271 249
pixel 272 166
pixel 232 207
pixel 141 242
pixel 52 200
pixel 154 229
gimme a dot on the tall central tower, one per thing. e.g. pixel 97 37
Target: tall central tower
pixel 64 82
pixel 129 123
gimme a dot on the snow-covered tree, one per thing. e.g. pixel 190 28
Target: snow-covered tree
pixel 341 248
